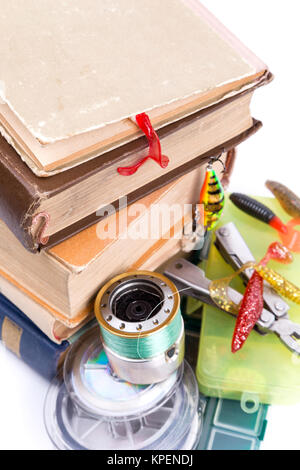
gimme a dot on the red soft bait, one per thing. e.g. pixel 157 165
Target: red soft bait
pixel 144 123
pixel 249 312
pixel 252 304
pixel 277 252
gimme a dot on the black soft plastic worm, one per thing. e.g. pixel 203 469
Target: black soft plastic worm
pixel 252 207
pixel 257 210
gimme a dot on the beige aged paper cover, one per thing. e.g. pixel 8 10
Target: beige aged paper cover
pixel 72 66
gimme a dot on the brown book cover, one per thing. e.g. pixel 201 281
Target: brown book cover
pixel 22 192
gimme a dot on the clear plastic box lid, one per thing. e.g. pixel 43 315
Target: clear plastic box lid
pixel 89 407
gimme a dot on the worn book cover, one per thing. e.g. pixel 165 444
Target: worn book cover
pixel 82 70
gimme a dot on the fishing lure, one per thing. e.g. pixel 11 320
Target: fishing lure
pixel 279 283
pixel 208 212
pixel 250 311
pixel 144 123
pixel 277 252
pixel 218 288
pixel 287 199
pixel 218 293
pixel 253 302
pixel 257 210
pixel 252 305
pixel 287 233
pixel 212 197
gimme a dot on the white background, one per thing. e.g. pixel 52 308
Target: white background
pixel 272 30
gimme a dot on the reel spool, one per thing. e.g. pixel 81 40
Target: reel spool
pixel 141 326
pixel 89 407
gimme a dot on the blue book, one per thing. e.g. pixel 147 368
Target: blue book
pixel 23 337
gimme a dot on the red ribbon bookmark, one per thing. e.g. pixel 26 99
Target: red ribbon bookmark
pixel 144 123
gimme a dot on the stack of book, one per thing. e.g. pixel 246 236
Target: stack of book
pixel 74 78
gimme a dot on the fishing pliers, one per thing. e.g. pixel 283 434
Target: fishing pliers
pixel 234 250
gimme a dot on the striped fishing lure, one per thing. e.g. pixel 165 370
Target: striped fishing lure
pixel 212 197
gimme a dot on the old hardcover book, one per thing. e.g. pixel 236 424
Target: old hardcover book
pixel 22 337
pixel 67 97
pixel 68 103
pixel 39 314
pixel 59 330
pixel 77 198
pixel 64 279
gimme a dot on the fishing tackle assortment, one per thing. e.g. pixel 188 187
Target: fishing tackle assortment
pixel 141 325
pixel 103 398
pixel 274 317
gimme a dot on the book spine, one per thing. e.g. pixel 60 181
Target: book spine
pixel 24 339
pixel 18 200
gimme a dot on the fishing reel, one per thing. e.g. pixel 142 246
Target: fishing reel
pixel 141 326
